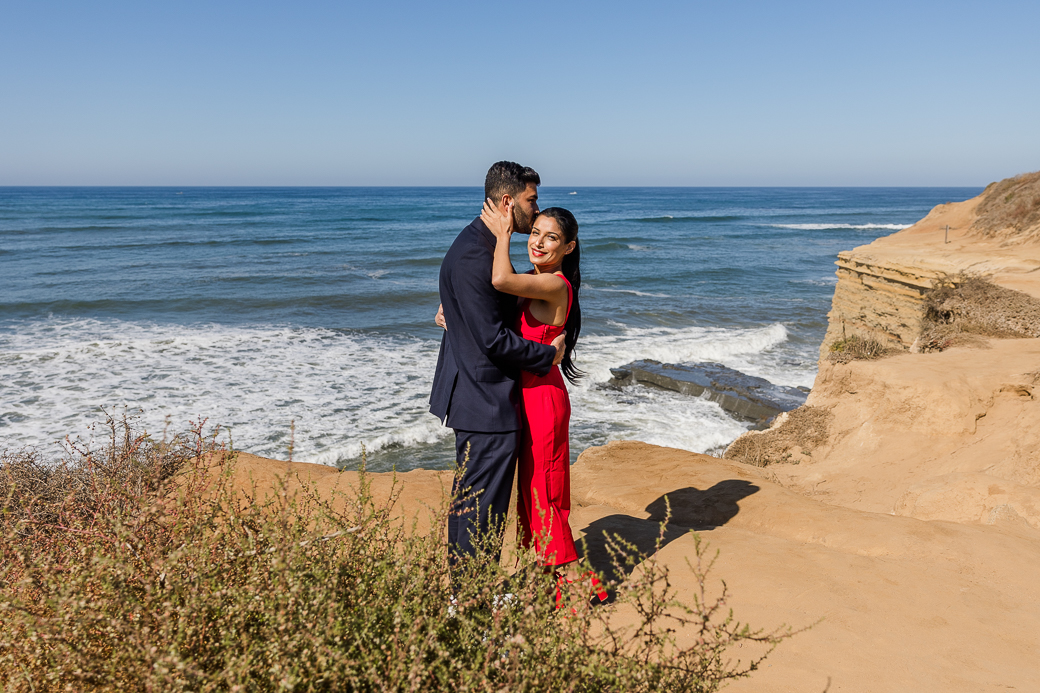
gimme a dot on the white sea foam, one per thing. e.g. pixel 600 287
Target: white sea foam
pixel 823 281
pixel 858 227
pixel 633 292
pixel 743 349
pixel 666 418
pixel 343 390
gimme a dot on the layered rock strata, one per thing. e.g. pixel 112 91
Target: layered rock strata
pixel 881 286
pixel 879 299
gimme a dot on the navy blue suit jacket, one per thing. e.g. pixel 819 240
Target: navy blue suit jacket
pixel 474 387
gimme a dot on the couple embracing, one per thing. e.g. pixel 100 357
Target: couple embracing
pixel 498 381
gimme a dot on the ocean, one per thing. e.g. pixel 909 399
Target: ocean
pixel 305 315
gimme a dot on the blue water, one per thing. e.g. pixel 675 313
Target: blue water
pixel 255 307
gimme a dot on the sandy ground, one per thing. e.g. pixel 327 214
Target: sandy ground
pixel 900 604
pixel 942 436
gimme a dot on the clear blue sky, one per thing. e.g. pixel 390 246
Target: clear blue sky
pixel 589 93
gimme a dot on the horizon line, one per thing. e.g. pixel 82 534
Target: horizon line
pixel 543 187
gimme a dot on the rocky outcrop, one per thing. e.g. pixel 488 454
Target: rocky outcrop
pixel 880 299
pixel 746 397
pixel 882 286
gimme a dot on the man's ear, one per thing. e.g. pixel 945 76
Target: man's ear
pixel 503 204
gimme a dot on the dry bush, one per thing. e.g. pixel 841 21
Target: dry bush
pixel 129 585
pixel 84 482
pixel 941 337
pixel 856 348
pixel 964 308
pixel 1010 210
pixel 804 428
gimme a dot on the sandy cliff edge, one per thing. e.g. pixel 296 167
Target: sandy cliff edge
pixel 940 436
pixel 882 285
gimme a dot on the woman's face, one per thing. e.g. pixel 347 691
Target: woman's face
pixel 545 245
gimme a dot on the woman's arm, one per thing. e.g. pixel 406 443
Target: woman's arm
pixel 546 287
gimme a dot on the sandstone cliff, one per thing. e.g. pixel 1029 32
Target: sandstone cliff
pixel 882 286
pixel 953 435
pixel 947 439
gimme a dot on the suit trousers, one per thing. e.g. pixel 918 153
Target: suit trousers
pixel 481 490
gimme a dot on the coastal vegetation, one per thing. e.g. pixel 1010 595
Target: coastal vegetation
pixel 146 564
pixel 1010 210
pixel 965 307
pixel 856 348
pixel 794 434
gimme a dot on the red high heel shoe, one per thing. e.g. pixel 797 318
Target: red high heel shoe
pixel 597 592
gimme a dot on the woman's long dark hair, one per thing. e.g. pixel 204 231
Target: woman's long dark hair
pixel 568 226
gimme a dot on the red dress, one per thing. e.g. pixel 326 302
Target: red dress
pixel 544 467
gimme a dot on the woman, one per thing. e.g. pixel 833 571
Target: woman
pixel 549 306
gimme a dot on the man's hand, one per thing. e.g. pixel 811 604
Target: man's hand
pixel 439 318
pixel 558 343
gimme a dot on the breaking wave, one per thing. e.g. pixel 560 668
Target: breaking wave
pixel 344 390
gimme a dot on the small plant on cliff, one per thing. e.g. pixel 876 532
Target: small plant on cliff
pixel 142 566
pixel 856 348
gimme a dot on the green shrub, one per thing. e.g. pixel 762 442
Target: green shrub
pixel 138 567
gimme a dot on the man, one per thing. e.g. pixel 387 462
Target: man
pixel 475 385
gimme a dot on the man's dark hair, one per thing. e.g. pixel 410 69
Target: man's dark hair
pixel 508 178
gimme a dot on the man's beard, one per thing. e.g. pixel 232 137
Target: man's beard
pixel 522 221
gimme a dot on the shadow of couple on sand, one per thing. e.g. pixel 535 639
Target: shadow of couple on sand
pixel 691 509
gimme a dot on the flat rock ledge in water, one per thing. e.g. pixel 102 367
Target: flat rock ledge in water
pixel 743 396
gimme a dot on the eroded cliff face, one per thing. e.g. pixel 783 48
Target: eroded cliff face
pixel 881 287
pixel 880 299
pixel 951 436
pixel 943 436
